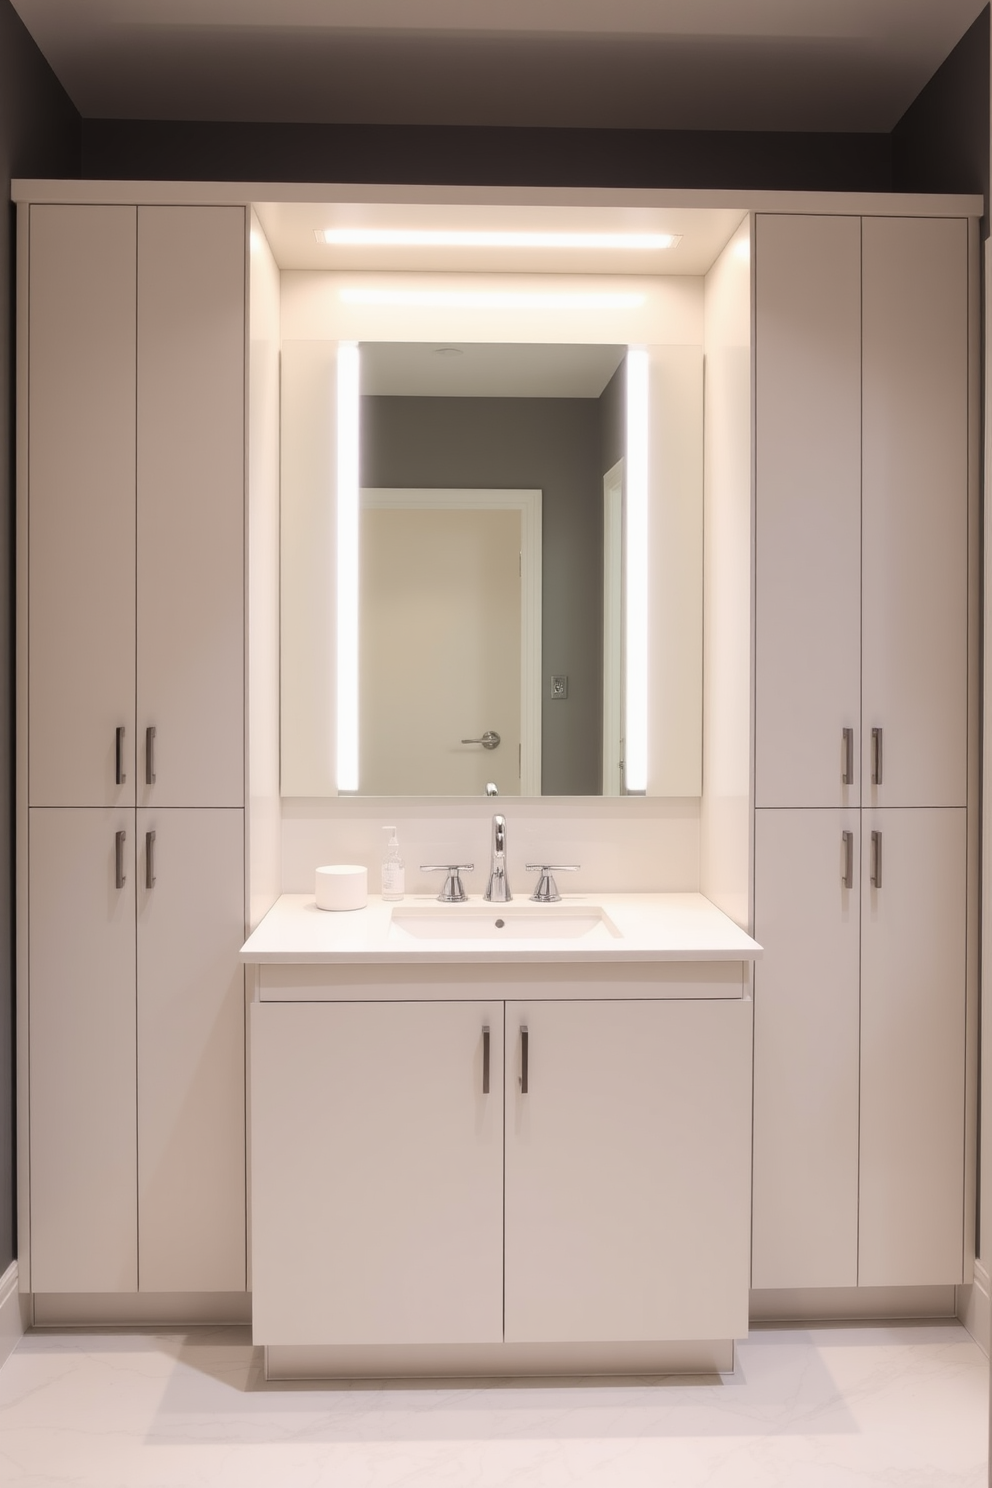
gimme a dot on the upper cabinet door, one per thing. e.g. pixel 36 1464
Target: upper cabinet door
pixel 808 509
pixel 191 551
pixel 915 658
pixel 81 416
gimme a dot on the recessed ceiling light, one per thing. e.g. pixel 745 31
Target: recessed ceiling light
pixel 372 237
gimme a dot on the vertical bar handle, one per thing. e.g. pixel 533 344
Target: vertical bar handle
pixel 119 755
pixel 149 755
pixel 876 859
pixel 876 756
pixel 149 860
pixel 119 875
pixel 848 877
pixel 485 1060
pixel 847 772
pixel 524 1060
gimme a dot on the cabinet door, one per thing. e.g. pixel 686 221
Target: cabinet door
pixel 808 508
pixel 806 1039
pixel 191 439
pixel 377 1173
pixel 81 1061
pixel 916 509
pixel 912 1048
pixel 627 1171
pixel 81 413
pixel 191 1051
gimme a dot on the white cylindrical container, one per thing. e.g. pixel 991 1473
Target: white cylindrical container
pixel 342 886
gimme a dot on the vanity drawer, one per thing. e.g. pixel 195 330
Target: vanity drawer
pixel 677 980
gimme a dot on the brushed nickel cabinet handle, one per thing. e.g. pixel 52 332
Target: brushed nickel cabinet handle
pixel 149 756
pixel 149 860
pixel 876 859
pixel 848 877
pixel 485 1060
pixel 847 773
pixel 119 874
pixel 524 1060
pixel 876 756
pixel 119 754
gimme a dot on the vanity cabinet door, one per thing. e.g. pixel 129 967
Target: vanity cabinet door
pixel 377 1173
pixel 81 1077
pixel 915 531
pixel 191 1051
pixel 627 1170
pixel 80 521
pixel 913 938
pixel 191 551
pixel 807 643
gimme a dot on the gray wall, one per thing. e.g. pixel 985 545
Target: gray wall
pixel 39 136
pixel 549 444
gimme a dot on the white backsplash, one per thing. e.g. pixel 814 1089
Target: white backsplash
pixel 623 845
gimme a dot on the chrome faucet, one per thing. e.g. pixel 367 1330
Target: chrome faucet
pixel 498 887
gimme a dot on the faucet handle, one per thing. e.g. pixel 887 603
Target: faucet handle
pixel 452 890
pixel 547 890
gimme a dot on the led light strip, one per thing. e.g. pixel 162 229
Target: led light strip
pixel 387 237
pixel 347 566
pixel 636 575
pixel 472 299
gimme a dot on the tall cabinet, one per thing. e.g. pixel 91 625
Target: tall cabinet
pixel 862 367
pixel 131 748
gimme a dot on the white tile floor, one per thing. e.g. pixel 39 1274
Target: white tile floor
pixel 805 1408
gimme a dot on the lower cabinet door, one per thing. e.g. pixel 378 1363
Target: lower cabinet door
pixel 83 1166
pixel 377 1173
pixel 913 987
pixel 191 1051
pixel 627 1170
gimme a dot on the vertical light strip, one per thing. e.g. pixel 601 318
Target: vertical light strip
pixel 636 575
pixel 347 566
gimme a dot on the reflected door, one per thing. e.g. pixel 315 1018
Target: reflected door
pixel 440 650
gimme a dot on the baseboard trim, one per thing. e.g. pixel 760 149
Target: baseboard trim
pixel 140 1309
pixel 850 1304
pixel 15 1313
pixel 497 1360
pixel 973 1307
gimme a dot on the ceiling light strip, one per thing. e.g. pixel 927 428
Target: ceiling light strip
pixel 362 237
pixel 470 299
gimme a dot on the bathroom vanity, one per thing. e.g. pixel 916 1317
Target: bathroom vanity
pixel 473 1153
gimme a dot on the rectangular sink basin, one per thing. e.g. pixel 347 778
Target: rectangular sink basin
pixel 495 922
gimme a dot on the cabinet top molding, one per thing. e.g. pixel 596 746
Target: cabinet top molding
pixel 244 193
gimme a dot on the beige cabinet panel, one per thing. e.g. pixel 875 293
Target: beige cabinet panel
pixel 81 432
pixel 806 1041
pixel 191 440
pixel 912 1048
pixel 915 536
pixel 808 508
pixel 627 1171
pixel 82 1064
pixel 377 1173
pixel 191 1051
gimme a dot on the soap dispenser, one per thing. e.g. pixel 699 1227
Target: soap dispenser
pixel 392 867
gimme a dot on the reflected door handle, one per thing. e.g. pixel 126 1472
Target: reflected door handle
pixel 524 1061
pixel 149 860
pixel 847 879
pixel 149 756
pixel 485 1060
pixel 490 740
pixel 847 772
pixel 876 756
pixel 119 874
pixel 119 755
pixel 876 860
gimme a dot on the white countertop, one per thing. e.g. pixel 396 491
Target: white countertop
pixel 645 927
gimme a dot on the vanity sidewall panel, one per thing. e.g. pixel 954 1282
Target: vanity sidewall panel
pixel 81 519
pixel 190 547
pixel 915 527
pixel 807 507
pixel 82 1052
